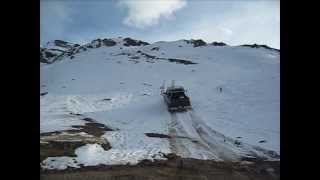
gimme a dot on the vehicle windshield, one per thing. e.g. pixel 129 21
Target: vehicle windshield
pixel 177 94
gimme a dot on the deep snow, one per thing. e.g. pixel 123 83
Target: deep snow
pixel 247 109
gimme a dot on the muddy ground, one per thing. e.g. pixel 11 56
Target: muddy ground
pixel 64 143
pixel 175 168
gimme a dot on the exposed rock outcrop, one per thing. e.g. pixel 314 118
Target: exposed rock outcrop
pixel 218 43
pixel 133 42
pixel 260 46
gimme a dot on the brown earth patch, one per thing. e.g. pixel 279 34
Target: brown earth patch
pixel 58 148
pixel 93 128
pixel 181 61
pixel 64 143
pixel 157 135
pixel 173 168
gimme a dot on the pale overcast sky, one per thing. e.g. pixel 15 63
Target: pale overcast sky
pixel 234 22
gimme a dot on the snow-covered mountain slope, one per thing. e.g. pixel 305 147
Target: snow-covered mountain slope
pixel 51 50
pixel 58 49
pixel 116 82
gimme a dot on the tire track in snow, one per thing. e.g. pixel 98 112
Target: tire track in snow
pixel 176 144
pixel 225 147
pixel 192 137
pixel 185 141
pixel 216 141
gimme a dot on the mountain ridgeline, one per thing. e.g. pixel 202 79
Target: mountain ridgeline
pixel 58 49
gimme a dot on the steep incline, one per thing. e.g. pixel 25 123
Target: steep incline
pixel 118 86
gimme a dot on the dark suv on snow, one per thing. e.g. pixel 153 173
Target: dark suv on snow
pixel 176 99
